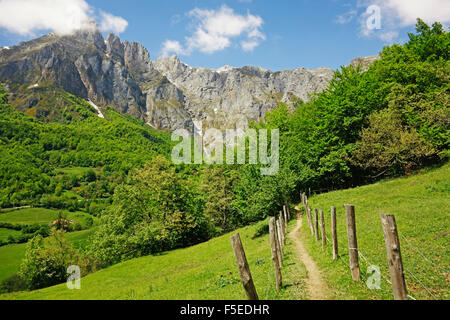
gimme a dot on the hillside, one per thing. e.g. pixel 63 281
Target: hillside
pixel 72 160
pixel 205 271
pixel 37 157
pixel 208 271
pixel 421 205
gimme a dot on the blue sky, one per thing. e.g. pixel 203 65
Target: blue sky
pixel 279 35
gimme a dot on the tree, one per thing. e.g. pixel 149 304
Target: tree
pixel 45 263
pixel 153 211
pixel 387 145
pixel 217 187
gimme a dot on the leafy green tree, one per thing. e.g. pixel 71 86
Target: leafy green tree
pixel 217 187
pixel 45 263
pixel 153 211
pixel 387 145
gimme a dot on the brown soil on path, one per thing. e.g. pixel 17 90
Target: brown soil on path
pixel 318 288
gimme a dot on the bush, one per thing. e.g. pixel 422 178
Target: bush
pixel 13 284
pixel 154 211
pixel 387 145
pixel 46 264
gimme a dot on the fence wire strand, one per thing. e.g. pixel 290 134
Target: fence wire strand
pixel 421 283
pixel 364 258
pixel 360 254
pixel 425 258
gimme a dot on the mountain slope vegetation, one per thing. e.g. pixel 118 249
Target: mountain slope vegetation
pixel 209 271
pixel 389 119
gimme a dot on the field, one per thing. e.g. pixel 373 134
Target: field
pixel 5 233
pixel 42 216
pixel 205 271
pixel 77 171
pixel 421 205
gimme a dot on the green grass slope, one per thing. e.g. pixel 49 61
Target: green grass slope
pixel 421 205
pixel 43 216
pixel 206 271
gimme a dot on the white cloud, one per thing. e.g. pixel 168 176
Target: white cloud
pixel 388 36
pixel 408 11
pixel 112 23
pixel 214 31
pixel 171 46
pixel 346 17
pixel 25 17
pixel 396 14
pixel 249 45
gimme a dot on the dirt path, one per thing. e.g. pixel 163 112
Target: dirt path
pixel 318 289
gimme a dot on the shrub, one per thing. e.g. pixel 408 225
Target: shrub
pixel 13 284
pixel 388 145
pixel 46 264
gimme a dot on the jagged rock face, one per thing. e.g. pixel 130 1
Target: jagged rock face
pixel 82 64
pixel 165 106
pixel 167 93
pixel 364 62
pixel 222 98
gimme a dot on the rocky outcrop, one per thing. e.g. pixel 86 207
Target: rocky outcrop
pixel 221 98
pixel 364 62
pixel 167 93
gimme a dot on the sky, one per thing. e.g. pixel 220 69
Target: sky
pixel 277 35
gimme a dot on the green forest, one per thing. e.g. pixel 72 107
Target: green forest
pixel 387 121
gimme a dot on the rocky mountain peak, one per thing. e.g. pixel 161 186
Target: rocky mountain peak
pixel 225 68
pixel 90 34
pixel 167 93
pixel 114 46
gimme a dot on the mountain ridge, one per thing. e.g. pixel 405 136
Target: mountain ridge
pixel 167 93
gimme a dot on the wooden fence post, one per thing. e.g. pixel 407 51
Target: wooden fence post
pixel 243 267
pixel 352 242
pixel 316 224
pixel 394 257
pixel 280 235
pixel 324 234
pixel 285 215
pixel 334 233
pixel 275 253
pixel 278 243
pixel 310 221
pixel 283 225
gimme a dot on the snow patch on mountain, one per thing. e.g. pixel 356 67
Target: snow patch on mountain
pixel 100 114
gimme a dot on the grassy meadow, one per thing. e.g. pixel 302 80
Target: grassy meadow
pixel 202 272
pixel 208 270
pixel 43 216
pixel 420 204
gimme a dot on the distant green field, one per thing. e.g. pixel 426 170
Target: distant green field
pixel 78 171
pixel 421 205
pixel 5 233
pixel 41 215
pixel 206 271
pixel 12 255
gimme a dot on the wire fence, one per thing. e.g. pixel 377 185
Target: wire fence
pixel 364 258
pixel 424 257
